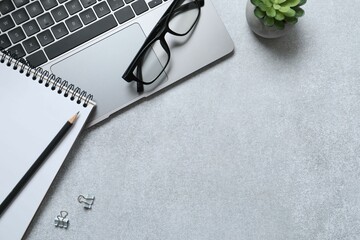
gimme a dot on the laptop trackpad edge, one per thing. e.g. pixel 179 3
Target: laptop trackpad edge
pixel 98 68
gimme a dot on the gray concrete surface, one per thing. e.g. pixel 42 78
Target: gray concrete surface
pixel 262 145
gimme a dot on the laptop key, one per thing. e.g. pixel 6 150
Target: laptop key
pixel 6 23
pixel 154 3
pixel 115 4
pixel 45 38
pixel 124 14
pixel 49 4
pixel 31 28
pixel 45 20
pixel 59 30
pixel 73 6
pixel 31 45
pixel 80 37
pixel 36 59
pixel 73 23
pixel 16 35
pixel 101 9
pixel 6 6
pixel 129 1
pixel 88 16
pixel 34 9
pixel 62 1
pixel 20 3
pixel 20 16
pixel 140 7
pixel 4 42
pixel 87 3
pixel 59 13
pixel 17 51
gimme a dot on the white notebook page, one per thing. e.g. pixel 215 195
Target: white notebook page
pixel 31 116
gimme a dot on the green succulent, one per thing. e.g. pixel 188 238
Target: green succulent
pixel 278 12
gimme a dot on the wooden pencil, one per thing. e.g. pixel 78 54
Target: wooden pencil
pixel 36 165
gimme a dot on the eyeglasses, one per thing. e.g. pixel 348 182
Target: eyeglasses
pixel 179 19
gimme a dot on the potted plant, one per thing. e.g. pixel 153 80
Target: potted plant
pixel 273 18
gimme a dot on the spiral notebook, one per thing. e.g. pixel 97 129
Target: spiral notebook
pixel 34 105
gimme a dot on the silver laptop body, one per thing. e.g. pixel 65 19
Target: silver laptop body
pixel 97 65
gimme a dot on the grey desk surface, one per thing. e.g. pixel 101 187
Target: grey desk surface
pixel 262 145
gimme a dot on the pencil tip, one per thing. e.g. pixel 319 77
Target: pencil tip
pixel 74 118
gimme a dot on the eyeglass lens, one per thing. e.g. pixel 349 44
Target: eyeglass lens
pixel 181 22
pixel 184 17
pixel 151 66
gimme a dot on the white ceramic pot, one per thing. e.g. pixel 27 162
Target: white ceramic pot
pixel 259 28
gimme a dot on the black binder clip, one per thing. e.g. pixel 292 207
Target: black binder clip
pixel 86 201
pixel 61 221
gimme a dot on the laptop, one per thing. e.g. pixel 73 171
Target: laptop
pixel 90 43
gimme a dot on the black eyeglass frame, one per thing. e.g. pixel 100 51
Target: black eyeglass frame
pixel 158 34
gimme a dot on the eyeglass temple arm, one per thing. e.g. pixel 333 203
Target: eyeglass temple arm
pixel 139 85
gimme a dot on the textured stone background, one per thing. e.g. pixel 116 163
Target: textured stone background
pixel 269 149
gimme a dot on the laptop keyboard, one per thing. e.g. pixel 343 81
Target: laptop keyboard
pixel 41 30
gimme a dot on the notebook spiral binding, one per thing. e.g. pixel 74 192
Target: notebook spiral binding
pixel 44 77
